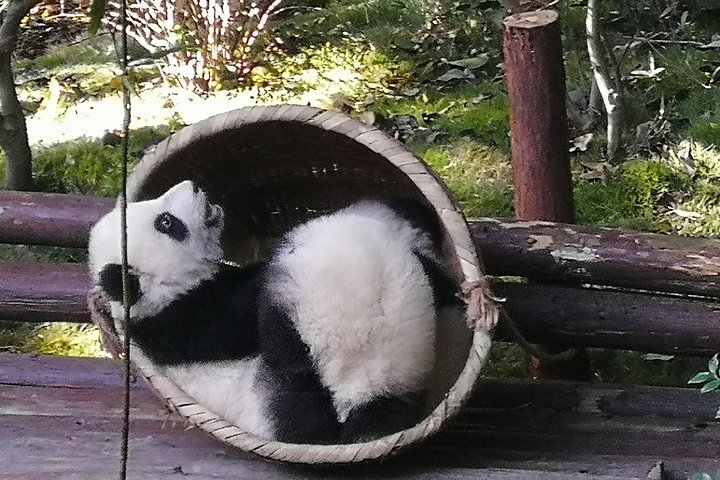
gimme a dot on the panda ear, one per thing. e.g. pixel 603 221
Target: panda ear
pixel 111 283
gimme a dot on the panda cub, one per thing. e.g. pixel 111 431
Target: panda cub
pixel 329 340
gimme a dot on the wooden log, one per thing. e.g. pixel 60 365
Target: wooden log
pixel 543 313
pixel 49 219
pixel 542 251
pixel 36 292
pixel 535 78
pixel 573 254
pixel 610 319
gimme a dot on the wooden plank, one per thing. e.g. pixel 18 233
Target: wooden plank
pixel 504 394
pixel 49 219
pixel 574 254
pixel 497 395
pixel 508 432
pixel 533 444
pixel 57 371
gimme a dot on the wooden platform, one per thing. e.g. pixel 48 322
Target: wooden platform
pixel 60 419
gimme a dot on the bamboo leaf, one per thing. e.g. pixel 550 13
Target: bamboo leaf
pixel 713 365
pixel 471 63
pixel 710 386
pixel 97 11
pixel 701 377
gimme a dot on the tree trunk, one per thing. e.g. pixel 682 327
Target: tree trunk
pixel 13 130
pixel 538 117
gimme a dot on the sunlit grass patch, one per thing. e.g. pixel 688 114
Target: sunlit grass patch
pixel 318 75
pixel 479 176
pixel 69 339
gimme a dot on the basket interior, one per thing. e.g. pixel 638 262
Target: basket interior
pixel 271 176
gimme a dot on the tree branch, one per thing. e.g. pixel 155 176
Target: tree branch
pixel 13 11
pixel 607 88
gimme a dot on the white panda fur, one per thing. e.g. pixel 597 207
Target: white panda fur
pixel 360 300
pixel 344 313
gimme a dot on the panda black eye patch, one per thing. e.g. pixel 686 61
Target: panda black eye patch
pixel 170 225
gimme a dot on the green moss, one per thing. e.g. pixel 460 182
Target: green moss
pixel 685 71
pixel 506 360
pixel 701 111
pixel 70 339
pixel 91 51
pixel 379 21
pixel 40 253
pixel 707 133
pixel 635 368
pixel 631 197
pixel 317 75
pixel 424 32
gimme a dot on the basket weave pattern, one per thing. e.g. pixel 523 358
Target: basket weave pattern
pixel 272 168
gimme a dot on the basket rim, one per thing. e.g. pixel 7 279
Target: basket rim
pixel 449 213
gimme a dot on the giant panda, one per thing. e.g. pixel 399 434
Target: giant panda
pixel 331 339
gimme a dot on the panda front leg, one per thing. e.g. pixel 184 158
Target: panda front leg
pixel 382 416
pixel 299 405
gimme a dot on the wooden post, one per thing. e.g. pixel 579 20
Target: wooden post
pixel 538 119
pixel 539 134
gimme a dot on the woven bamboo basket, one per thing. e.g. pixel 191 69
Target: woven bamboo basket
pixel 274 167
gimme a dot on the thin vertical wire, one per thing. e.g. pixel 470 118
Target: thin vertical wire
pixel 123 239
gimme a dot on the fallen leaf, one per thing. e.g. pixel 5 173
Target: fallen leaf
pixel 598 171
pixel 686 214
pixel 581 143
pixel 657 472
pixel 715 44
pixel 455 74
pixel 368 118
pixel 480 98
pixel 658 356
pixel 411 92
pixel 472 62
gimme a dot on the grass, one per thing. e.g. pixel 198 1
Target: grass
pixel 51 339
pixel 478 175
pixel 88 166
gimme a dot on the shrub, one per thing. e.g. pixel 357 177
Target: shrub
pixel 213 44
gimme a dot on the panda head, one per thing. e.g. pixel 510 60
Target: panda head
pixel 173 244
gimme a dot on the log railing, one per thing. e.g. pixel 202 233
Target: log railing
pixel 605 288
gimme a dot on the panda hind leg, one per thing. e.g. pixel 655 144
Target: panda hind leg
pixel 300 405
pixel 382 416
